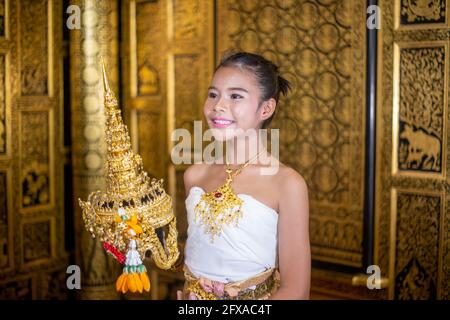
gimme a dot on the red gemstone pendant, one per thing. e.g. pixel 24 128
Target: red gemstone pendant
pixel 218 194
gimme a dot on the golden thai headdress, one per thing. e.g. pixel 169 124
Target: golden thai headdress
pixel 128 216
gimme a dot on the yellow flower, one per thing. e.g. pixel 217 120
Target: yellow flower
pixel 133 282
pixel 133 224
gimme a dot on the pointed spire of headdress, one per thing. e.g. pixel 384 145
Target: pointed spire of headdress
pixel 105 78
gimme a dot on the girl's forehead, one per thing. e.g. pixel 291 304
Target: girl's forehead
pixel 228 77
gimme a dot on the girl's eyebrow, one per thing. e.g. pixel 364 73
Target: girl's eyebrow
pixel 230 89
pixel 237 89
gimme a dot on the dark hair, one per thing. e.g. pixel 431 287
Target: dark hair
pixel 266 74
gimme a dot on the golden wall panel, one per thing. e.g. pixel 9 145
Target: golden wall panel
pixel 37 242
pixel 150 126
pixel 8 153
pixel 4 126
pixel 5 82
pixel 31 107
pixel 416 233
pixel 320 48
pixel 187 91
pixel 20 288
pixel 412 107
pixel 416 15
pixel 145 98
pixel 3 17
pixel 53 284
pixel 190 26
pixel 149 35
pixel 384 138
pixel 34 29
pixel 186 21
pixel 445 249
pixel 36 163
pixel 420 98
pixel 6 223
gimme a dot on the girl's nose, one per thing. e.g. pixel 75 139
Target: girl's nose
pixel 220 106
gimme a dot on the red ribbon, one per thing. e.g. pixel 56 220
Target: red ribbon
pixel 114 252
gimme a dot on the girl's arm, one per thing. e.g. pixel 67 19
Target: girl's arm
pixel 293 245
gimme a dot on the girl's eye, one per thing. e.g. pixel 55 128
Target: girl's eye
pixel 236 96
pixel 212 95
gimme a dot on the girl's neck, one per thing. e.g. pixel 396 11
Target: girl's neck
pixel 240 150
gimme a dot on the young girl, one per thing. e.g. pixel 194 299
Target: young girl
pixel 247 231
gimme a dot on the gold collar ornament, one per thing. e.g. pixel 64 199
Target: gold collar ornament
pixel 128 214
pixel 222 206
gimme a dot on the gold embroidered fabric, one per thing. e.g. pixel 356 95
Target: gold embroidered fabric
pixel 266 282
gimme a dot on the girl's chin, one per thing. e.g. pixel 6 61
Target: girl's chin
pixel 223 134
pixel 233 133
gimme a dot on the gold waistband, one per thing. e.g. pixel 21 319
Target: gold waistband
pixel 265 282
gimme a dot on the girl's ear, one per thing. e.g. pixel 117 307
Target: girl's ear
pixel 267 109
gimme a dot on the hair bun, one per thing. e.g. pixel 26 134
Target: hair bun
pixel 283 85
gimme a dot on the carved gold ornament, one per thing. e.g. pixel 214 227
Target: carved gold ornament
pixel 222 206
pixel 422 9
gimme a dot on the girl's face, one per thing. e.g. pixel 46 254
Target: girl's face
pixel 232 103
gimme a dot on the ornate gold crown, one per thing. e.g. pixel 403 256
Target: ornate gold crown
pixel 127 215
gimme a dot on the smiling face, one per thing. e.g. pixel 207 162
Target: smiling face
pixel 232 103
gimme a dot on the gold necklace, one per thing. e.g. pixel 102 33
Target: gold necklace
pixel 221 206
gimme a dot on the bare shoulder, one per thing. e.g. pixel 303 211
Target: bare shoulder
pixel 192 174
pixel 293 189
pixel 289 178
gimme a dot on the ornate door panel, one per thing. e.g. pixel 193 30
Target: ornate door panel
pixel 412 229
pixel 33 261
pixel 168 47
pixel 320 48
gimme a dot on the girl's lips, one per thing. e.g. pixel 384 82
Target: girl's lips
pixel 221 123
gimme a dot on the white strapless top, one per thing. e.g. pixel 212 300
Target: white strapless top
pixel 237 253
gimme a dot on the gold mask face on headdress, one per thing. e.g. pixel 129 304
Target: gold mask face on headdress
pixel 126 216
